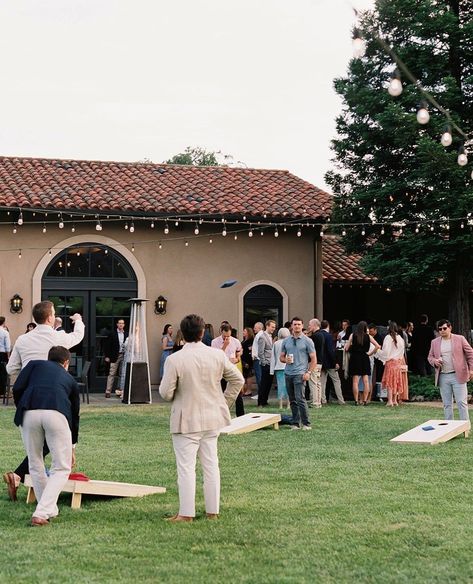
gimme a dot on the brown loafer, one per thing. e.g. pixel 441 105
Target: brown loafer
pixel 178 518
pixel 212 515
pixel 12 487
pixel 39 521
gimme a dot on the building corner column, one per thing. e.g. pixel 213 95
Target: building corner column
pixel 318 278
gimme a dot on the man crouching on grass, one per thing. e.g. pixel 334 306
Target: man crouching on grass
pixel 192 382
pixel 47 403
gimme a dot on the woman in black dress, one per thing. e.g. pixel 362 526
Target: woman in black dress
pixel 358 346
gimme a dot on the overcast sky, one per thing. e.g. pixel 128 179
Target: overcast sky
pixel 133 79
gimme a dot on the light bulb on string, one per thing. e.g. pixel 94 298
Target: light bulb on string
pixel 61 224
pixel 98 226
pixel 132 227
pixel 73 228
pixel 166 229
pixel 152 225
pixel 160 245
pixel 186 243
pixel 462 225
pixel 276 233
pixel 423 115
pixel 395 85
pixel 19 254
pixel 261 233
pixel 224 231
pixel 285 229
pixel 133 247
pixel 176 223
pixel 235 237
pixel 446 138
pixel 20 219
pixel 44 228
pixel 344 232
pixel 417 229
pixel 196 230
pixel 126 225
pixel 321 234
pixel 358 44
pixel 299 232
pixel 432 228
pixel 14 230
pixel 462 157
pixel 250 233
pixel 382 230
pixel 211 240
pixel 363 232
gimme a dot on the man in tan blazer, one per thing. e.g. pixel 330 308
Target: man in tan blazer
pixel 192 382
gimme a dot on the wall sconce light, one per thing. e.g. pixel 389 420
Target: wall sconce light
pixel 160 305
pixel 16 304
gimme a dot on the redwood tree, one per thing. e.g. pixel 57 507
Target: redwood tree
pixel 400 192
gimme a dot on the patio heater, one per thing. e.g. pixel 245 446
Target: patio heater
pixel 137 388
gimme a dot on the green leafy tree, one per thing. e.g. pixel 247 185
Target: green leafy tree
pixel 196 157
pixel 391 170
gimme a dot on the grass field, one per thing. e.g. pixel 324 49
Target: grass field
pixel 338 504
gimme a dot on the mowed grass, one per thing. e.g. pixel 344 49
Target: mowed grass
pixel 338 504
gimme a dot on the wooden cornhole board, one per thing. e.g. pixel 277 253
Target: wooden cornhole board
pixel 107 488
pixel 443 431
pixel 251 422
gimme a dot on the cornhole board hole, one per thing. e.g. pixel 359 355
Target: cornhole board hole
pixel 107 488
pixel 443 430
pixel 251 422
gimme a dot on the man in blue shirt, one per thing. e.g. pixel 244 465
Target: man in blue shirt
pixel 298 352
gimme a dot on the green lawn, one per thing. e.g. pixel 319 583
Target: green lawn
pixel 338 504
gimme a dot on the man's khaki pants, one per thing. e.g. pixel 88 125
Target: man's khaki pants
pixel 114 371
pixel 333 374
pixel 186 449
pixel 315 387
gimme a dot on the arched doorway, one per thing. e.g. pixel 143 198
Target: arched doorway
pixel 262 302
pixel 95 281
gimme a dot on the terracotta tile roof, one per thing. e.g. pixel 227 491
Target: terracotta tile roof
pixel 146 188
pixel 338 266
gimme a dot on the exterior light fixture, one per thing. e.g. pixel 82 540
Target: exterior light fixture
pixel 16 304
pixel 160 305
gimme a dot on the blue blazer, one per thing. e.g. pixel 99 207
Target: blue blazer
pixel 329 360
pixel 46 385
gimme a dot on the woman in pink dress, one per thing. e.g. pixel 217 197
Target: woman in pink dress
pixel 395 370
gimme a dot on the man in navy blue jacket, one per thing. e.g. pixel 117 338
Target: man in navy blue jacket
pixel 47 403
pixel 329 364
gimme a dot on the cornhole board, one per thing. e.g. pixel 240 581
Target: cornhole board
pixel 251 422
pixel 107 488
pixel 443 431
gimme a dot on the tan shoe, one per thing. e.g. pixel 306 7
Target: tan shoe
pixel 38 521
pixel 179 518
pixel 212 515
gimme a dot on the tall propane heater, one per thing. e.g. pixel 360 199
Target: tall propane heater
pixel 137 383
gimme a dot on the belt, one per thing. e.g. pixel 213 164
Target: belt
pixel 447 372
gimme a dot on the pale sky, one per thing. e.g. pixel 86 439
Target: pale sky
pixel 127 80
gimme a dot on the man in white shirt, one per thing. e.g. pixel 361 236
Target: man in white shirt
pixel 199 411
pixel 33 346
pixel 233 350
pixel 258 329
pixel 5 348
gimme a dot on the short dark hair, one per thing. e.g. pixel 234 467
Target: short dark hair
pixel 345 320
pixel 59 355
pixel 2 320
pixel 442 322
pixel 225 327
pixel 423 319
pixel 324 324
pixel 372 325
pixel 192 326
pixel 42 311
pixel 296 318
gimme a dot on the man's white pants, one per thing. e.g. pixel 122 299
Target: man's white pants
pixel 186 449
pixel 333 374
pixel 51 425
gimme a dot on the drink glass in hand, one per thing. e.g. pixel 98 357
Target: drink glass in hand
pixel 290 358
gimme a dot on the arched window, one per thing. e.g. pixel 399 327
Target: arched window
pixel 262 303
pixel 89 261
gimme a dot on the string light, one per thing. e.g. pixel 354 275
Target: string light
pixel 235 237
pixel 446 138
pixel 166 229
pixel 160 245
pixel 19 254
pixel 176 223
pixel 186 243
pixel 152 224
pixel 73 228
pixel 14 230
pixel 132 227
pixel 395 85
pixel 196 230
pixel 363 232
pixel 210 240
pixel 344 232
pixel 98 227
pixel 462 157
pixel 126 225
pixel 250 232
pixel 276 234
pixel 423 115
pixel 133 247
pixel 44 228
pixel 61 222
pixel 299 232
pixel 20 219
pixel 224 232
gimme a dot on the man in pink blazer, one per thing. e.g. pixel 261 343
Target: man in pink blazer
pixel 199 411
pixel 452 357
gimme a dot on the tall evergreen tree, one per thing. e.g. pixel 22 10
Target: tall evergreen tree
pixel 392 170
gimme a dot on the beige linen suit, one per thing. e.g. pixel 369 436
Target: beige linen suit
pixel 192 382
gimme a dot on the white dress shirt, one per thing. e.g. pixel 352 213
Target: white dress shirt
pixel 36 344
pixel 4 340
pixel 254 346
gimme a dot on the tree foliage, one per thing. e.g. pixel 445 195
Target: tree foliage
pixel 196 156
pixel 391 170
